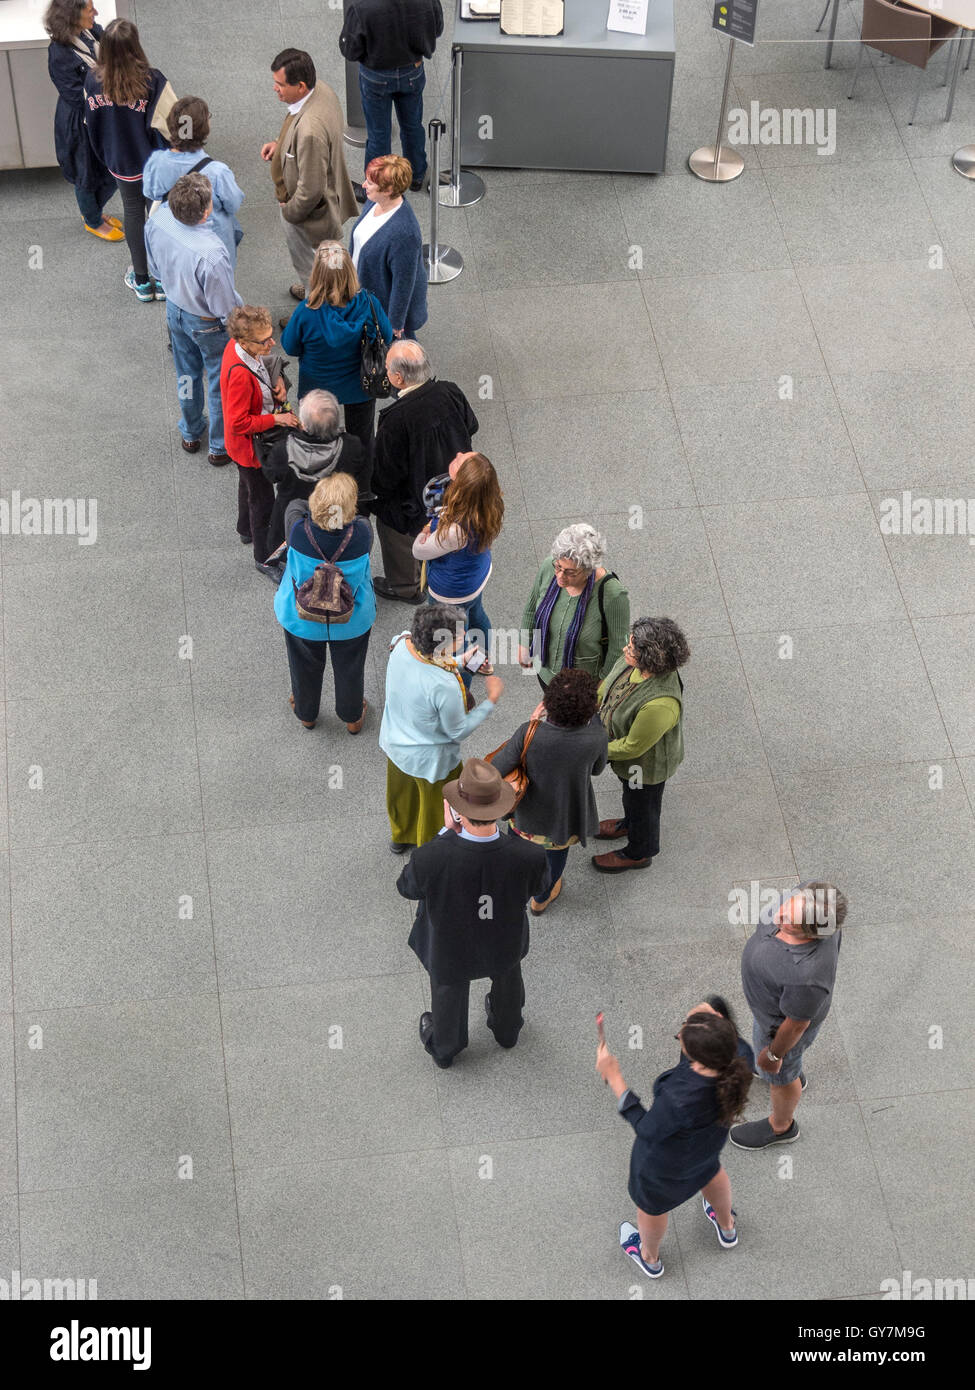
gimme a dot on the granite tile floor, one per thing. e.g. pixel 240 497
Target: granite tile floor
pixel 210 1081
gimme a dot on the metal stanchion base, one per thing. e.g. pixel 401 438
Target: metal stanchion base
pixel 730 164
pixel 962 161
pixel 471 191
pixel 354 135
pixel 447 266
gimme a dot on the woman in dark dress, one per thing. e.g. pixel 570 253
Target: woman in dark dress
pixel 70 57
pixel 678 1144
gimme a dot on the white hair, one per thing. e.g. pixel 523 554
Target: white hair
pixel 318 412
pixel 581 543
pixel 408 359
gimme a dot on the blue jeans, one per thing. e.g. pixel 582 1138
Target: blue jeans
pixel 380 92
pixel 198 346
pixel 91 201
pixel 476 622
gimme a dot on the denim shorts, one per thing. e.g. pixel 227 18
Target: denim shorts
pixel 791 1062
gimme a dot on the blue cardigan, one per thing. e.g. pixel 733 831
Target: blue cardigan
pixel 302 563
pixel 328 345
pixel 391 266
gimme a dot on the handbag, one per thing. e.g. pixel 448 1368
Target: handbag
pixel 327 596
pixel 518 776
pixel 372 352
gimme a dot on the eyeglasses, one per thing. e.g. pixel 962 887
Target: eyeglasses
pixel 567 570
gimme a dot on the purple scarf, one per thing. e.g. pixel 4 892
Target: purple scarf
pixel 543 616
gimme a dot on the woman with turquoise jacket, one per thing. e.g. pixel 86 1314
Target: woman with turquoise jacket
pixel 332 532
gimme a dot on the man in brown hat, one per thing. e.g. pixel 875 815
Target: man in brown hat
pixel 473 884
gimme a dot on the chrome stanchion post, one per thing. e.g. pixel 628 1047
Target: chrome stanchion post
pixel 719 163
pixel 442 263
pixel 464 188
pixel 355 128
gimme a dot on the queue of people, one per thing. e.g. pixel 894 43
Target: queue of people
pixel 313 470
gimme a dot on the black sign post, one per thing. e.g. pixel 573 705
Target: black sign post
pixel 736 18
pixel 718 163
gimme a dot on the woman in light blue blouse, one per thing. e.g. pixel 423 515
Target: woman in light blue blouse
pixel 189 128
pixel 428 714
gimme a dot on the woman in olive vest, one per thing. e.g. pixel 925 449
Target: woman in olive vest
pixel 641 707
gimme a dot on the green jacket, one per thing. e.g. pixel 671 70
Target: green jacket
pixel 590 655
pixel 661 723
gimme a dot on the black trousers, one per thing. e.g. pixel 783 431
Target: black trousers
pixel 360 420
pixel 134 225
pixel 450 1006
pixel 641 817
pixel 255 498
pixel 306 661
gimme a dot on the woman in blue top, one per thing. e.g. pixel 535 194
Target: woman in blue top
pixel 387 245
pixel 189 130
pixel 678 1144
pixel 121 95
pixel 456 545
pixel 72 54
pixel 332 524
pixel 325 334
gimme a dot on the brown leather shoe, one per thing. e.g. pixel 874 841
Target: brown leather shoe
pixel 614 863
pixel 308 723
pixel 610 830
pixel 537 908
pixel 354 728
pixel 191 446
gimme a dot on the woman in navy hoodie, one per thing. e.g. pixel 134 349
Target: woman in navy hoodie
pixel 121 95
pixel 325 334
pixel 387 245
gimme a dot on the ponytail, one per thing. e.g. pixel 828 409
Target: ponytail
pixel 732 1088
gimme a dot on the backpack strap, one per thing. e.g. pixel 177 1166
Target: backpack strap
pixel 200 164
pixel 345 541
pixel 604 626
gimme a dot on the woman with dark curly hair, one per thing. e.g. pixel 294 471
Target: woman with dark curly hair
pixel 641 708
pixel 567 750
pixel 71 55
pixel 677 1149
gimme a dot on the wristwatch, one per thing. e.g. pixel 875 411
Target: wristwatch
pixel 771 1055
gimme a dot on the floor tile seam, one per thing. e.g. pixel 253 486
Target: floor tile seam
pixel 209 892
pixel 877 1174
pixel 913 619
pixel 858 766
pixel 10 913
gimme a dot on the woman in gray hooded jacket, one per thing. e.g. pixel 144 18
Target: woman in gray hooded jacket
pixel 304 456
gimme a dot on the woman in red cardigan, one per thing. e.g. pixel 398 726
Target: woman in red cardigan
pixel 249 402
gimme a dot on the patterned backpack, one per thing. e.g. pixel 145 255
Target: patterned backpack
pixel 326 597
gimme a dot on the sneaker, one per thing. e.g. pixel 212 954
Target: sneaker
pixel 723 1239
pixel 759 1134
pixel 360 193
pixel 630 1245
pixel 144 293
pixel 157 291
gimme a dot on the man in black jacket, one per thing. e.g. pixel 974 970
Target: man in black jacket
pixel 389 39
pixel 417 438
pixel 472 883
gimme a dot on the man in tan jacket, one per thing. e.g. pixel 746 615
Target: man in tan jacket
pixel 307 162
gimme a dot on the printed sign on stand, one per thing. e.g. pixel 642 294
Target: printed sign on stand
pixel 736 18
pixel 628 16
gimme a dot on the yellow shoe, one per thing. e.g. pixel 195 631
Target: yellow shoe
pixel 116 222
pixel 116 233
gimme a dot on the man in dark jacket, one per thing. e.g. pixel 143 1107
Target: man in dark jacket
pixel 389 39
pixel 417 437
pixel 472 883
pixel 302 458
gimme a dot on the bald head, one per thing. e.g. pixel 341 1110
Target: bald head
pixel 407 360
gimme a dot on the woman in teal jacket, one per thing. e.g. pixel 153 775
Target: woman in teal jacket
pixel 332 525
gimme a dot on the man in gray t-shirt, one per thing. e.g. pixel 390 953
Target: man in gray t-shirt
pixel 788 968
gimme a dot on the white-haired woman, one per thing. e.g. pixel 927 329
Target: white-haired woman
pixel 578 613
pixel 325 334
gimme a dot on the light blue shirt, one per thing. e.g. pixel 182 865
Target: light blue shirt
pixel 164 167
pixel 192 265
pixel 424 720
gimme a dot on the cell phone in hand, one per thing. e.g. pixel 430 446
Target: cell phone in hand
pixel 474 658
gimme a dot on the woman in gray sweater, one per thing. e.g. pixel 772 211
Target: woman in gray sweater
pixel 567 750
